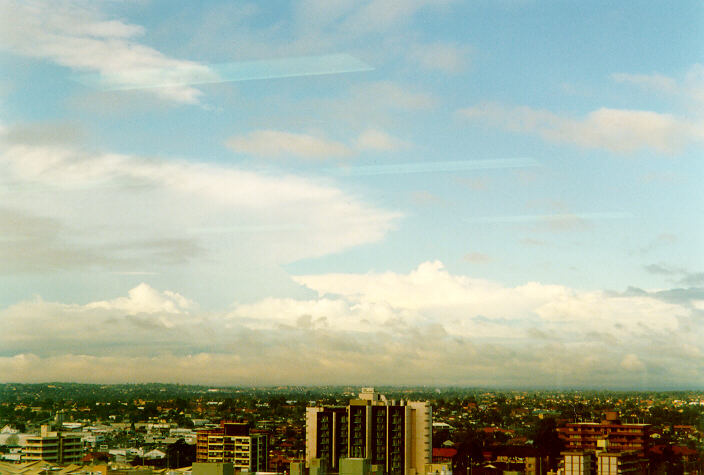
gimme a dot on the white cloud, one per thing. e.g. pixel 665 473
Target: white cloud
pixel 384 106
pixel 379 140
pixel 274 143
pixel 621 316
pixel 120 211
pixel 280 144
pixel 690 88
pixel 145 321
pixel 395 323
pixel 430 292
pixel 76 35
pixel 429 286
pixel 144 299
pixel 656 82
pixel 616 130
pixel 446 57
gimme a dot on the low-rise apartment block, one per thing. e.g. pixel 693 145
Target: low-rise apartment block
pixel 232 442
pixel 56 447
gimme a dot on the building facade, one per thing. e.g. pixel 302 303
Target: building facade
pixel 395 436
pixel 620 437
pixel 55 447
pixel 602 463
pixel 233 443
pixel 578 463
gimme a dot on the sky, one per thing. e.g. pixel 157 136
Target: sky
pixel 402 192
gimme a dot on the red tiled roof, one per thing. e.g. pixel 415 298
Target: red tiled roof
pixel 444 452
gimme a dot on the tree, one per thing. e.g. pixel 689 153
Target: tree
pixel 547 440
pixel 469 446
pixel 180 454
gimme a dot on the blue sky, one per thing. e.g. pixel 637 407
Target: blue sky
pixel 483 193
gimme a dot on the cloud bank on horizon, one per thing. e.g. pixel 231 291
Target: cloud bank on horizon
pixel 412 196
pixel 380 328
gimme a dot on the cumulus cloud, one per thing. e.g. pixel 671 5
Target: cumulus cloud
pixel 144 299
pixel 79 36
pixel 431 291
pixel 396 323
pixel 616 130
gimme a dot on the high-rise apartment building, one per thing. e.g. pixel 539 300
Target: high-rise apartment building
pixel 620 437
pixel 397 436
pixel 55 447
pixel 232 442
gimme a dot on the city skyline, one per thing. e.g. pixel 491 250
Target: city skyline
pixel 488 194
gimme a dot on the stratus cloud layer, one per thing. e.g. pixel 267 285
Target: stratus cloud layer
pixel 424 327
pixel 77 35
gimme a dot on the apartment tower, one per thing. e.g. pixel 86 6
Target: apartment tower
pixel 395 436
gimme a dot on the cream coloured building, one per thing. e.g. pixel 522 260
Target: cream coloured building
pixel 55 447
pixel 393 435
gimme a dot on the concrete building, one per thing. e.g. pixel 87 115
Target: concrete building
pixel 616 463
pixel 578 463
pixel 603 463
pixel 580 436
pixel 233 443
pixel 395 436
pixel 54 447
